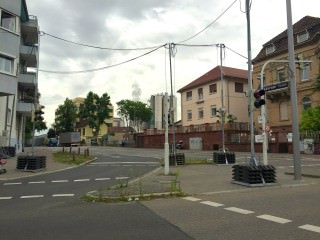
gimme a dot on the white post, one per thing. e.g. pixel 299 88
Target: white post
pixel 166 144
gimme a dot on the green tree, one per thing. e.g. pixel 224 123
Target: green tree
pixel 310 119
pixel 51 133
pixel 134 113
pixel 96 110
pixel 65 117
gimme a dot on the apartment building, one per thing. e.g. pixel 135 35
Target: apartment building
pixel 19 60
pixel 157 105
pixel 276 77
pixel 221 87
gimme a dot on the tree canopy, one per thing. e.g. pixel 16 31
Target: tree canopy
pixel 65 117
pixel 310 119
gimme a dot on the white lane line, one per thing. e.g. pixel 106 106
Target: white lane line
pixel 274 219
pixel 111 163
pixel 212 204
pixel 60 181
pixel 309 227
pixel 63 195
pixel 102 179
pixel 239 210
pixel 13 183
pixel 82 180
pixel 32 196
pixel 5 198
pixel 39 182
pixel 121 178
pixel 192 199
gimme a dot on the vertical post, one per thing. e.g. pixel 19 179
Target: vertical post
pixel 264 120
pixel 252 157
pixel 222 110
pixel 293 94
pixel 166 144
pixel 171 104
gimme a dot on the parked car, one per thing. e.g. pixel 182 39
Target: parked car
pixel 53 142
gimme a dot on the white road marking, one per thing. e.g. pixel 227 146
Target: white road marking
pixel 192 199
pixel 102 179
pixel 82 180
pixel 39 182
pixel 14 183
pixel 63 195
pixel 5 198
pixel 274 219
pixel 309 227
pixel 239 210
pixel 60 181
pixel 32 196
pixel 212 204
pixel 111 163
pixel 121 178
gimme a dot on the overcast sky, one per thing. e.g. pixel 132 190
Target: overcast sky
pixel 130 24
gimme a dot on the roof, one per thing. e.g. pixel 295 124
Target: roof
pixel 120 130
pixel 214 74
pixel 311 24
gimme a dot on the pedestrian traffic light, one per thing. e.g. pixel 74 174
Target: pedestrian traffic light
pixel 37 114
pixel 258 101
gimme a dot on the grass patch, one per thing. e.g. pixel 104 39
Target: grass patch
pixel 198 161
pixel 70 158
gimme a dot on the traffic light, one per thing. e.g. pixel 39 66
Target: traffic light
pixel 37 114
pixel 169 121
pixel 258 101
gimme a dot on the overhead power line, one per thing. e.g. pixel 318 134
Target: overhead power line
pixel 42 33
pixel 101 68
pixel 213 22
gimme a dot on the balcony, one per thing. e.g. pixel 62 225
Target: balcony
pixel 25 108
pixel 27 80
pixel 29 30
pixel 29 55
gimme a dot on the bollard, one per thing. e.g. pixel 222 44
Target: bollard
pixel 73 156
pixel 78 151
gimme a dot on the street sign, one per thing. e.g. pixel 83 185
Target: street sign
pixel 276 86
pixel 258 138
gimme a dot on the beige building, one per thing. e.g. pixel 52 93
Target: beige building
pixel 276 75
pixel 201 100
pixel 86 133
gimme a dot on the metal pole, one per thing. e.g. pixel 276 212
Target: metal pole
pixel 166 144
pixel 222 110
pixel 252 158
pixel 293 94
pixel 171 104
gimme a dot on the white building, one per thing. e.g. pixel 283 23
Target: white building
pixel 157 106
pixel 19 59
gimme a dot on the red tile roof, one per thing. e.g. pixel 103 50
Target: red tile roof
pixel 214 75
pixel 311 24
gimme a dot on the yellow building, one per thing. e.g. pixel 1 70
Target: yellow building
pixel 87 133
pixel 276 77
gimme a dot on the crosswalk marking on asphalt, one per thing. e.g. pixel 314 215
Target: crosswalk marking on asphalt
pixel 309 227
pixel 32 196
pixel 212 204
pixel 82 180
pixel 63 195
pixel 239 210
pixel 14 183
pixel 274 219
pixel 39 182
pixel 192 199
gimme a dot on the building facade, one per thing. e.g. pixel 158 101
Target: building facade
pixel 221 88
pixel 19 60
pixel 157 104
pixel 276 77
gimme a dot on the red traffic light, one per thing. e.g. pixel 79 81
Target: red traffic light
pixel 259 102
pixel 259 93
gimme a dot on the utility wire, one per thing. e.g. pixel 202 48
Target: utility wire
pixel 42 33
pixel 236 52
pixel 213 22
pixel 101 68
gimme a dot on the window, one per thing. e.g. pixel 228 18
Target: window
pixel 200 93
pixel 213 110
pixel 305 72
pixel 283 111
pixel 200 113
pixel 189 115
pixel 302 37
pixel 8 21
pixel 213 88
pixel 306 102
pixel 6 64
pixel 238 87
pixel 189 96
pixel 281 75
pixel 270 49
